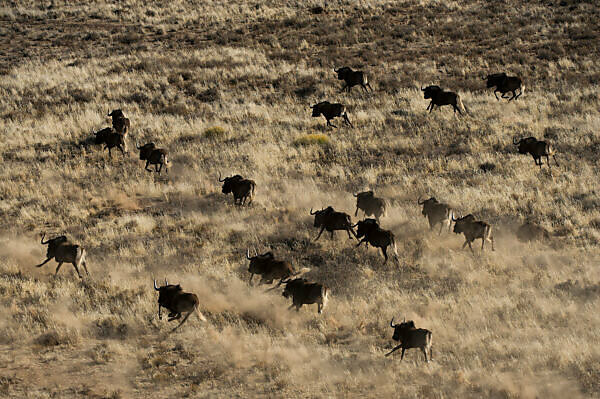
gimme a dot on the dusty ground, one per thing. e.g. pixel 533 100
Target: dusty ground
pixel 518 322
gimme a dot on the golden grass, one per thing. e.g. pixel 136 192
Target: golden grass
pixel 312 139
pixel 518 322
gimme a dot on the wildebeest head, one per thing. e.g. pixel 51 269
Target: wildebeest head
pixel 495 79
pixel 365 227
pixel 426 204
pixel 461 223
pixel 292 285
pixel 317 108
pixel 145 150
pixel 431 91
pixel 364 194
pixel 257 260
pixel 229 183
pixel 166 293
pixel 524 144
pixel 116 114
pixel 401 329
pixel 321 215
pixel 343 72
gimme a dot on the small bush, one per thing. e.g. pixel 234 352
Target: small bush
pixel 310 139
pixel 214 132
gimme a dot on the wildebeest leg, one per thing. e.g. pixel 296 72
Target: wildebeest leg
pixel 384 250
pixel 332 234
pixel 174 317
pixel 320 232
pixel 298 306
pixel 471 248
pixel 146 167
pixel 504 95
pixel 159 314
pixel 356 213
pixel 58 268
pixel 331 124
pixel 514 95
pixel 348 230
pixel 456 109
pixel 250 281
pixel 441 227
pixel 344 87
pixel 44 262
pixel 361 241
pixel 76 269
pixel 122 151
pixel 554 157
pixel 496 91
pixel 369 86
pixel 482 243
pixel 84 263
pixel 548 161
pixel 347 120
pixel 291 306
pixel 394 350
pixel 520 92
pixel 109 153
pixel 431 108
pixel 425 353
pixel 184 319
pixel 318 308
pixel 402 356
pixel 465 244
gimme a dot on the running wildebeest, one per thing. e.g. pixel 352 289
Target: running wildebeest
pixel 330 220
pixel 411 337
pixel 370 205
pixel 172 298
pixel 537 149
pixel 111 139
pixel 440 98
pixel 62 250
pixel 330 111
pixel 120 123
pixel 504 84
pixel 371 233
pixel 436 212
pixel 242 189
pixel 352 78
pixel 153 156
pixel 101 135
pixel 268 268
pixel 473 229
pixel 305 293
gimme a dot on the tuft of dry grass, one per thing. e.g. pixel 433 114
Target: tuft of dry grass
pixel 313 139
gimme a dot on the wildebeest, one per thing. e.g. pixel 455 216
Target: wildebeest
pixel 330 111
pixel 504 84
pixel 440 97
pixel 305 293
pixel 352 78
pixel 473 229
pixel 111 139
pixel 172 298
pixel 62 250
pixel 101 135
pixel 371 233
pixel 532 232
pixel 119 122
pixel 330 220
pixel 155 156
pixel 268 268
pixel 370 205
pixel 242 189
pixel 537 149
pixel 436 212
pixel 411 337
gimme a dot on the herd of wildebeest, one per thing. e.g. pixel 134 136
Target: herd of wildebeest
pixel 367 231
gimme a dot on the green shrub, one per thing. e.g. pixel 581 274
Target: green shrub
pixel 310 139
pixel 214 132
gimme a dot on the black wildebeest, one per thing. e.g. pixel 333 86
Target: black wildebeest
pixel 172 298
pixel 504 84
pixel 473 229
pixel 242 189
pixel 330 220
pixel 305 293
pixel 111 139
pixel 440 97
pixel 62 251
pixel 537 149
pixel 330 111
pixel 529 231
pixel 370 205
pixel 155 156
pixel 371 233
pixel 411 337
pixel 120 123
pixel 352 78
pixel 436 212
pixel 268 268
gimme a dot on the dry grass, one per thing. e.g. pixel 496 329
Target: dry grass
pixel 518 322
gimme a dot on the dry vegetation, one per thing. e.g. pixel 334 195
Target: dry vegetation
pixel 225 86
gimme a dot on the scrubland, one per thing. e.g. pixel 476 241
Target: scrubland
pixel 225 87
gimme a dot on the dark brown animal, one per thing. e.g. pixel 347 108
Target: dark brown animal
pixel 537 149
pixel 371 233
pixel 154 156
pixel 411 337
pixel 330 111
pixel 242 189
pixel 436 212
pixel 177 302
pixel 473 229
pixel 120 123
pixel 61 250
pixel 370 205
pixel 305 293
pixel 353 78
pixel 505 84
pixel 440 98
pixel 111 139
pixel 268 268
pixel 330 220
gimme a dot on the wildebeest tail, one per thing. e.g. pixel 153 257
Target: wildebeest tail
pixel 461 106
pixel 79 256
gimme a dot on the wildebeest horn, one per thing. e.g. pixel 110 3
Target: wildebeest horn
pixel 335 70
pixel 312 106
pixel 422 89
pixel 42 240
pixel 220 177
pixel 354 195
pixel 248 253
pixel 108 113
pixel 311 212
pixel 136 145
pixel 484 78
pixel 454 220
pixel 354 225
pixel 517 142
pixel 404 320
pixel 419 201
pixel 155 287
pixel 166 282
pixel 392 323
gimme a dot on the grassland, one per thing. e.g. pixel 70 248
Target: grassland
pixel 225 87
